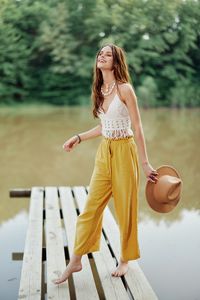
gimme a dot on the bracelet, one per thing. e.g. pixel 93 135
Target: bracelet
pixel 79 139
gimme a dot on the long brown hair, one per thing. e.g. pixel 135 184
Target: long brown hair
pixel 121 75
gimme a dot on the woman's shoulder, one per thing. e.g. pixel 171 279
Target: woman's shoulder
pixel 125 88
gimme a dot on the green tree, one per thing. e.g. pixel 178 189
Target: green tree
pixel 48 49
pixel 147 92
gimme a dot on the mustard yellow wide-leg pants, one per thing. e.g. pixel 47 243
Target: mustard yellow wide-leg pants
pixel 116 173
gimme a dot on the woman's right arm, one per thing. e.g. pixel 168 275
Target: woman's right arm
pixel 92 133
pixel 73 141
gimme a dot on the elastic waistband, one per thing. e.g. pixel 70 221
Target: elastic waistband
pixel 122 139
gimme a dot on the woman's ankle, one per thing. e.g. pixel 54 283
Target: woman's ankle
pixel 123 261
pixel 76 258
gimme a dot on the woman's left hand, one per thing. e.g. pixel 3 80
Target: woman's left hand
pixel 150 173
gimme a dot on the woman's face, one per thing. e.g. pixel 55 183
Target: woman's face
pixel 105 58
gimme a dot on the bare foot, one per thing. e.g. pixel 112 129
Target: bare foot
pixel 121 269
pixel 71 267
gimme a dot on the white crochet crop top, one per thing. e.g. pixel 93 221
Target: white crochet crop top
pixel 116 122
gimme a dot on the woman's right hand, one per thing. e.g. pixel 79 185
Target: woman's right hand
pixel 70 143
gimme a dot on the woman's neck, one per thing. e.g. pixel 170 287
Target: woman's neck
pixel 108 77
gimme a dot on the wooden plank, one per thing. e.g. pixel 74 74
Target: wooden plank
pixel 113 287
pixel 135 278
pixel 31 273
pixel 83 280
pixel 20 192
pixel 54 246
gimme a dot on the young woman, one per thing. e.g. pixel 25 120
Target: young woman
pixel 116 170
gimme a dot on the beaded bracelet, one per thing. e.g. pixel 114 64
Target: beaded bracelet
pixel 78 138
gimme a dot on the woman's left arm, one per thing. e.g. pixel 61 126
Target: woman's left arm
pixel 130 99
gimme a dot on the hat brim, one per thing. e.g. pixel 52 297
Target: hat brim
pixel 161 207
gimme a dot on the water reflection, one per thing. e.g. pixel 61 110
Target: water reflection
pixel 31 154
pixel 170 255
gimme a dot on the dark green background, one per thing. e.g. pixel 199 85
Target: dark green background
pixel 48 48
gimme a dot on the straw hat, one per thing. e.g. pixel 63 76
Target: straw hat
pixel 165 194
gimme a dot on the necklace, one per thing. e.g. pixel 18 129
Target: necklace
pixel 108 92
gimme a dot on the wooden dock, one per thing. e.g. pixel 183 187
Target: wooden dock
pixel 49 244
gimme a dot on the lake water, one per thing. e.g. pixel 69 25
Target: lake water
pixel 31 154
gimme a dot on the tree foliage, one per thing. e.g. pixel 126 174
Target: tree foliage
pixel 48 49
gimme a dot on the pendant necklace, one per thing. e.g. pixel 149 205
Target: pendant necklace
pixel 108 92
